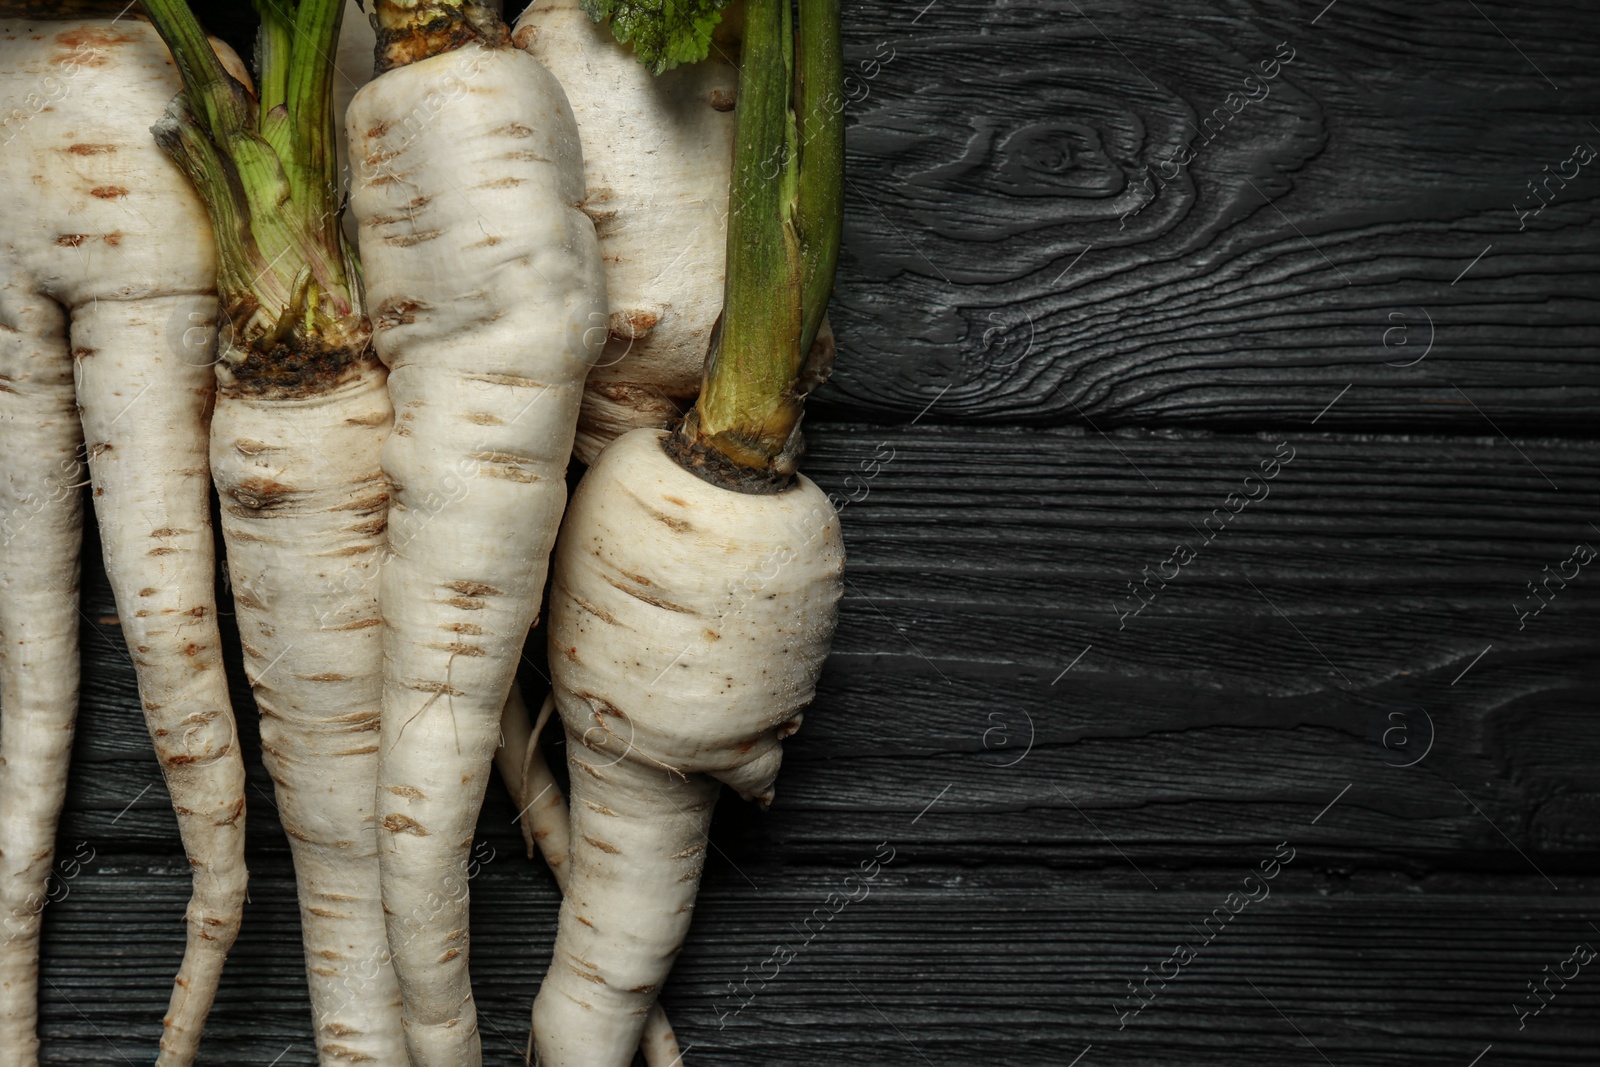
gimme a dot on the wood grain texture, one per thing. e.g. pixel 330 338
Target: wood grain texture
pixel 1070 789
pixel 1031 882
pixel 995 158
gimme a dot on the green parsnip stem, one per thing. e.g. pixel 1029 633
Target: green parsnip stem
pixel 749 408
pixel 819 131
pixel 696 584
pixel 301 415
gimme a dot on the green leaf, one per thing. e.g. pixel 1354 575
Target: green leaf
pixel 663 33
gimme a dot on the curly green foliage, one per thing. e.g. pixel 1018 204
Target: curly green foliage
pixel 663 33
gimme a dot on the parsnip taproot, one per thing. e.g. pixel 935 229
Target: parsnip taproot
pixel 488 302
pixel 301 415
pixel 670 681
pixel 41 528
pixel 542 815
pixel 697 578
pixel 114 239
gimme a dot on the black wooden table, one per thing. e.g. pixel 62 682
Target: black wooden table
pixel 1211 440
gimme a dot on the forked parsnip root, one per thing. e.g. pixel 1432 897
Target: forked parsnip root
pixel 542 814
pixel 688 626
pixel 488 299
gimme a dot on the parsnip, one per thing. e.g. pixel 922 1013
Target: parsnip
pixel 488 299
pixel 697 578
pixel 657 151
pixel 669 680
pixel 542 814
pixel 300 420
pixel 114 237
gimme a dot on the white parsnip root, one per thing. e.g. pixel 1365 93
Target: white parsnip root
pixel 303 505
pixel 542 814
pixel 488 300
pixel 657 153
pixel 688 625
pixel 144 395
pixel 113 235
pixel 41 527
pixel 301 415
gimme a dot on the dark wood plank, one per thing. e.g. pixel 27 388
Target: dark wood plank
pixel 1014 965
pixel 1348 606
pixel 1071 792
pixel 990 261
pixel 1179 749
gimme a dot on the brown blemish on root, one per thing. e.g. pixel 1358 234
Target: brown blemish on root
pixel 325 676
pixel 459 648
pixel 654 601
pixel 397 311
pixel 465 603
pixel 404 824
pixel 507 465
pixel 71 240
pixel 514 129
pixel 484 418
pixel 450 955
pixel 471 588
pixel 410 792
pixel 515 380
pixel 502 183
pixel 108 192
pixel 600 809
pixel 297 368
pixel 604 846
pixel 689 853
pixel 406 240
pixel 91 149
pixel 671 522
pixel 600 613
pixel 437 688
pixel 260 494
pixel 632 325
